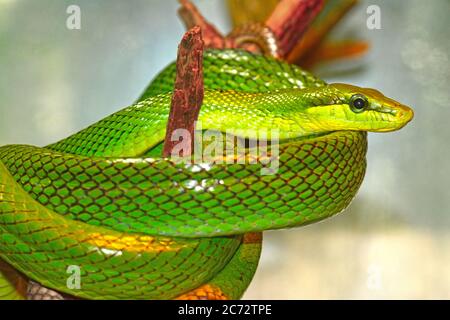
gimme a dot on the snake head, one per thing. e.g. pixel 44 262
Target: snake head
pixel 347 107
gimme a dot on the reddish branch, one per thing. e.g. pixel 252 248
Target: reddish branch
pixel 192 17
pixel 188 91
pixel 289 21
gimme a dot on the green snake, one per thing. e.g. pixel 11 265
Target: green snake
pixel 139 226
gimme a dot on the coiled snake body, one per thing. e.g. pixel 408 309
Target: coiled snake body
pixel 139 226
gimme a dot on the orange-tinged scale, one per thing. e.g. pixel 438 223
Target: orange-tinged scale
pixel 204 292
pixel 132 243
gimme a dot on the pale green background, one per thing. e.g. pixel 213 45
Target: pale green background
pixel 393 241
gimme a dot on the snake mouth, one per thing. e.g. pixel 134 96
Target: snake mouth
pixel 393 120
pixel 404 116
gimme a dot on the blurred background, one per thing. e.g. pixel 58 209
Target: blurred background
pixel 394 239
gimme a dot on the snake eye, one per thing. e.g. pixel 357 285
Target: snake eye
pixel 358 103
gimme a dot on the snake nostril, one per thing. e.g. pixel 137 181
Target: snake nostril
pixel 405 114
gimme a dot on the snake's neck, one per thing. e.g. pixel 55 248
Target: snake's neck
pixel 278 114
pixel 282 113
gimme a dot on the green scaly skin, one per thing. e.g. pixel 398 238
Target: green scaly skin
pixel 144 227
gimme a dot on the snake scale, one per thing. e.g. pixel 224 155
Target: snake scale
pixel 139 226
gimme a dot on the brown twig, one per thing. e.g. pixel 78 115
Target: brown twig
pixel 192 17
pixel 289 21
pixel 188 92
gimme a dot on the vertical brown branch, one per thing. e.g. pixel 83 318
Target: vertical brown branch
pixel 188 91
